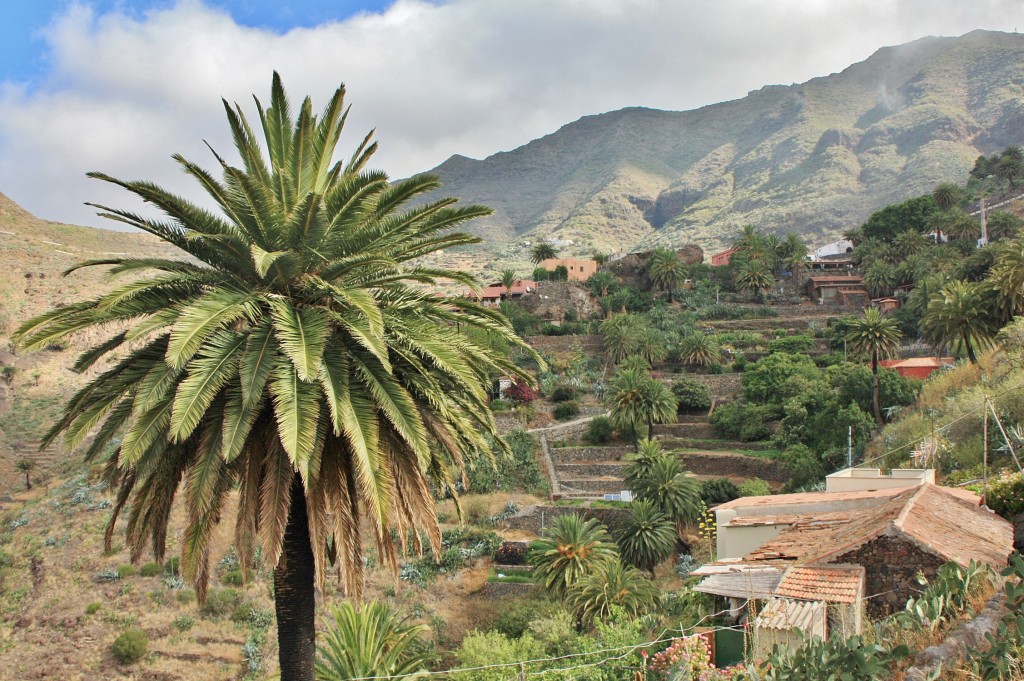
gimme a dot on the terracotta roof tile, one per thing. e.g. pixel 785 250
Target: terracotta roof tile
pixel 808 498
pixel 815 583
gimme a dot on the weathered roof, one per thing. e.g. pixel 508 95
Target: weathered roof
pixel 742 581
pixel 758 520
pixel 801 498
pixel 835 584
pixel 783 613
pixel 938 519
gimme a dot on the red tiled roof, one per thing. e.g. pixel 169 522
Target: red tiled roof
pixel 807 498
pixel 928 362
pixel 815 583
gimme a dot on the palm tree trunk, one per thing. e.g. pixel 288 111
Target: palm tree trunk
pixel 294 598
pixel 876 391
pixel 971 357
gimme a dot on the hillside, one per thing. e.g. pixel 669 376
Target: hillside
pixel 816 157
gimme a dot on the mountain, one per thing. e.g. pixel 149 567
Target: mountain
pixel 815 158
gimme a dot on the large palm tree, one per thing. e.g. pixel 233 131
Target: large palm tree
pixel 370 641
pixel 292 357
pixel 755 276
pixel 1008 277
pixel 671 489
pixel 699 349
pixel 876 336
pixel 636 399
pixel 961 314
pixel 620 336
pixel 508 280
pixel 571 548
pixel 947 195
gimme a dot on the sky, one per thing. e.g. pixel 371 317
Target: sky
pixel 119 86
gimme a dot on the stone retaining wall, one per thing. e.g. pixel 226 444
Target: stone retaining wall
pixel 570 454
pixel 535 518
pixel 972 635
pixel 567 471
pixel 892 566
pixel 724 465
pixel 560 344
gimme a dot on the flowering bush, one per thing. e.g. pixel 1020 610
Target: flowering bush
pixel 686 659
pixel 1006 495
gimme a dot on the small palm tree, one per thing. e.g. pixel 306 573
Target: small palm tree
pixel 571 548
pixel 1008 277
pixel 646 536
pixel 611 586
pixel 508 280
pixel 877 336
pixel 671 489
pixel 620 336
pixel 910 242
pixel 755 276
pixel 369 642
pixel 957 224
pixel 600 282
pixel 699 349
pixel 541 252
pixel 600 258
pixel 795 256
pixel 651 346
pixel 636 399
pixel 26 466
pixel 666 270
pixel 638 465
pixel 947 195
pixel 962 315
pixel 880 278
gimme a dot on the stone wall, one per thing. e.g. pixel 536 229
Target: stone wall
pixel 535 518
pixel 892 565
pixel 553 299
pixel 571 454
pixel 720 385
pixel 507 589
pixel 561 344
pixel 734 466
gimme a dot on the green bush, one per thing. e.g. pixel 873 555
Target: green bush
pixel 755 487
pixel 171 567
pixel 600 431
pixel 566 411
pixel 520 471
pixel 183 622
pixel 125 570
pixel 149 570
pixel 691 395
pixel 93 608
pixel 233 578
pixel 500 405
pixel 715 369
pixel 718 491
pixel 1006 495
pixel 740 363
pixel 513 618
pixel 220 602
pixel 563 393
pixel 131 646
pixel 793 344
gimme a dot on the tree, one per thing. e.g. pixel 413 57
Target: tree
pixel 699 349
pixel 620 336
pixel 541 252
pixel 956 224
pixel 914 214
pixel 754 276
pixel 794 256
pixel 650 345
pixel 880 277
pixel 1008 277
pixel 876 336
pixel 600 258
pixel 910 242
pixel 612 585
pixel 600 282
pixel 508 280
pixel 646 536
pixel 947 195
pixel 292 357
pixel 674 491
pixel 571 548
pixel 369 641
pixel 666 270
pixel 26 466
pixel 636 399
pixel 961 315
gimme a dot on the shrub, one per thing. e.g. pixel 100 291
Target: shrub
pixel 233 578
pixel 512 553
pixel 220 602
pixel 125 570
pixel 131 646
pixel 691 395
pixel 793 344
pixel 171 567
pixel 718 491
pixel 599 431
pixel 521 392
pixel 183 622
pixel 149 570
pixel 739 363
pixel 500 405
pixel 755 487
pixel 715 368
pixel 563 393
pixel 566 411
pixel 93 608
pixel 1006 495
pixel 514 617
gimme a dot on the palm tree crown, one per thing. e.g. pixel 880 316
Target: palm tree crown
pixel 293 356
pixel 876 336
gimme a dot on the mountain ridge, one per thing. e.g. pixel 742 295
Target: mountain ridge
pixel 815 157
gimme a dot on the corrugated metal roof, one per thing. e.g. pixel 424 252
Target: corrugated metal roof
pixel 783 613
pixel 742 582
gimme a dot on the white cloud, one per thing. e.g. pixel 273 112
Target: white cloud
pixel 468 76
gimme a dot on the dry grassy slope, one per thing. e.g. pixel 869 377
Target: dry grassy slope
pixel 816 157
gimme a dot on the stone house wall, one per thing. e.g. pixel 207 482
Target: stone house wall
pixel 892 565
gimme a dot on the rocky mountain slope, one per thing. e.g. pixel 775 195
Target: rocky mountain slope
pixel 816 157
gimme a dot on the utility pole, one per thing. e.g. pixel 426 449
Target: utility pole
pixel 849 448
pixel 984 460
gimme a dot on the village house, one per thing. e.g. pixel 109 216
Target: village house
pixel 579 270
pixel 493 294
pixel 817 561
pixel 722 259
pixel 919 368
pixel 886 305
pixel 837 289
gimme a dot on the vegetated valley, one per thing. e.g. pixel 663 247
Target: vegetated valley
pixel 688 385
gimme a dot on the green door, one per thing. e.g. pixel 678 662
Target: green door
pixel 729 647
